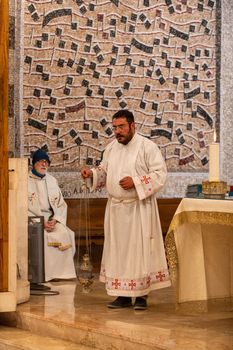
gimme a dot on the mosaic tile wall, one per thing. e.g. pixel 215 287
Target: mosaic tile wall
pixel 12 76
pixel 15 78
pixel 226 90
pixel 84 60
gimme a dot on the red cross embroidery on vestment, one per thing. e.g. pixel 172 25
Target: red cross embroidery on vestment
pixel 160 276
pixel 116 283
pixel 132 284
pixel 145 179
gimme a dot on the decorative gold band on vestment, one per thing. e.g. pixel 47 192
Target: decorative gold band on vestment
pixel 59 245
pixel 54 244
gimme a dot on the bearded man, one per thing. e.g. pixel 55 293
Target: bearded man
pixel 133 170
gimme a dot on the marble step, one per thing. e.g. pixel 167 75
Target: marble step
pixel 17 339
pixel 83 318
pixel 87 332
pixel 91 335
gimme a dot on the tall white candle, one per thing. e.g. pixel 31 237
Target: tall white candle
pixel 214 162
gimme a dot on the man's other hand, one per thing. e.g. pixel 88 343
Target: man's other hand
pixel 126 183
pixel 50 225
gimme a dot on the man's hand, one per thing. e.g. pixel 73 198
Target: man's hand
pixel 126 183
pixel 50 225
pixel 86 172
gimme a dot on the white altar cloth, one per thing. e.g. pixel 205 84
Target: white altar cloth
pixel 199 246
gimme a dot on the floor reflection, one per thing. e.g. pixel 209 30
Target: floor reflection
pixel 160 325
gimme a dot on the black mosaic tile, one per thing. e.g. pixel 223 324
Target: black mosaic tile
pixel 11 100
pixel 48 92
pixel 11 32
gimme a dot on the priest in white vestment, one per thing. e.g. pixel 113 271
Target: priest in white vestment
pixel 45 199
pixel 133 170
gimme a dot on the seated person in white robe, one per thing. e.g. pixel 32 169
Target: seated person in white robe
pixel 45 199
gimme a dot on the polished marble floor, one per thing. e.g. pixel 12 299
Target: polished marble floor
pixel 74 315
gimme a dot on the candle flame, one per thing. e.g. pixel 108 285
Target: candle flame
pixel 215 136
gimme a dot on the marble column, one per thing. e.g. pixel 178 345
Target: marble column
pixel 226 88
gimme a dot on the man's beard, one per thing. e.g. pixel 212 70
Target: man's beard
pixel 126 139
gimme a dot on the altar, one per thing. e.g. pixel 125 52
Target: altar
pixel 199 247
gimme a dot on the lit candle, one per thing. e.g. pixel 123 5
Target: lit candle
pixel 214 160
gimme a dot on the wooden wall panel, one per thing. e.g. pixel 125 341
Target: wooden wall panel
pixel 3 145
pixel 77 223
pixel 76 216
pixel 167 208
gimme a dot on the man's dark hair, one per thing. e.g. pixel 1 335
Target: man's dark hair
pixel 124 113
